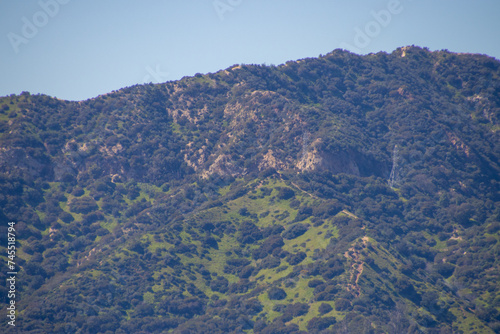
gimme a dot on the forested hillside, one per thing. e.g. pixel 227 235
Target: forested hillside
pixel 338 194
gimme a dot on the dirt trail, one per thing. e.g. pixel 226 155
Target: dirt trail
pixel 349 214
pixel 296 186
pixel 354 255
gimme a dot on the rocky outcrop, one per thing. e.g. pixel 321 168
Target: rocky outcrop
pixel 347 161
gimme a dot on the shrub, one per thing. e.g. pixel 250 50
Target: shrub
pixel 83 205
pixel 314 283
pixel 188 307
pixel 294 231
pixel 241 287
pixel 325 308
pixel 238 262
pixel 252 306
pixel 297 309
pixel 267 172
pixel 77 191
pixel 285 193
pixel 92 218
pixel 220 284
pixel 210 242
pixel 246 272
pixel 319 324
pixel 446 269
pixel 244 212
pixel 249 233
pixel 326 292
pixel 304 213
pixel 66 217
pixel 342 304
pixel 269 246
pixel 270 262
pixel 276 293
pixel 327 209
pixel 296 258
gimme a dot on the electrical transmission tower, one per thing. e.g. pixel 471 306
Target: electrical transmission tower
pixel 305 143
pixel 394 177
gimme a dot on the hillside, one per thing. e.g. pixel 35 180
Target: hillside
pixel 338 194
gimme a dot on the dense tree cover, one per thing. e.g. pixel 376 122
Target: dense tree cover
pixel 256 199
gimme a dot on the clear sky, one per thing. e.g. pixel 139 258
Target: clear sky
pixel 75 49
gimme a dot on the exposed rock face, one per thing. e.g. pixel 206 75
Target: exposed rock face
pixel 311 159
pixel 223 165
pixel 348 162
pixel 270 161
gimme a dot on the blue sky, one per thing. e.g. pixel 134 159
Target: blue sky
pixel 74 49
